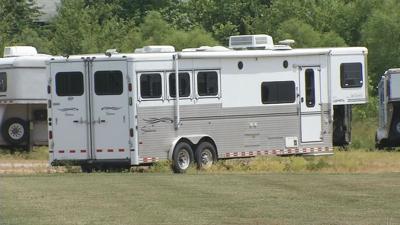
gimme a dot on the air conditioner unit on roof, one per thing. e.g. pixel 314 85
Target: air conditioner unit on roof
pixel 155 49
pixel 260 41
pixel 15 51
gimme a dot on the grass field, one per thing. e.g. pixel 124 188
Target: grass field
pixel 126 198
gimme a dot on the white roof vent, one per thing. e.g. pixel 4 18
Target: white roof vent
pixel 155 49
pixel 15 51
pixel 260 41
pixel 207 49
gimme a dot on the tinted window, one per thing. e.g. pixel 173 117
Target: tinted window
pixel 310 88
pixel 351 75
pixel 69 84
pixel 108 83
pixel 278 92
pixel 184 85
pixel 207 83
pixel 3 82
pixel 150 85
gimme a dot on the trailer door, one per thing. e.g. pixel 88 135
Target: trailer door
pixel 310 104
pixel 110 110
pixel 69 114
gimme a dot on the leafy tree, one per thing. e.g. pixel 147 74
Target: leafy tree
pixel 305 35
pixel 381 34
pixel 17 19
pixel 155 30
pixel 87 28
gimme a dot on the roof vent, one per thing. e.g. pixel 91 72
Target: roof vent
pixel 260 41
pixel 15 51
pixel 207 49
pixel 155 49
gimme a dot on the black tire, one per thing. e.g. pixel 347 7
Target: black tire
pixel 15 131
pixel 182 157
pixel 395 131
pixel 206 155
pixel 86 169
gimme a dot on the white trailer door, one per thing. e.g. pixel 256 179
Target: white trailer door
pixel 110 110
pixel 310 104
pixel 70 112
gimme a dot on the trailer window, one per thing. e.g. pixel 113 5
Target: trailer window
pixel 108 82
pixel 184 85
pixel 207 83
pixel 310 88
pixel 351 75
pixel 3 82
pixel 278 92
pixel 69 84
pixel 150 85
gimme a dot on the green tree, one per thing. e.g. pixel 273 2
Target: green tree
pixel 155 30
pixel 17 22
pixel 381 34
pixel 305 35
pixel 81 27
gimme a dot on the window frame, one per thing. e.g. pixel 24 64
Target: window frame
pixel 6 82
pixel 196 90
pixel 342 77
pixel 190 85
pixel 83 84
pixel 139 89
pixel 279 103
pixel 122 83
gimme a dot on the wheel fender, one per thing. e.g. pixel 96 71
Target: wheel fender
pixel 195 138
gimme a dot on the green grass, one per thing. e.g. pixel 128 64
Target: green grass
pixel 38 153
pixel 126 198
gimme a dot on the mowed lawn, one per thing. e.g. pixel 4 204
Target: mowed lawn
pixel 229 198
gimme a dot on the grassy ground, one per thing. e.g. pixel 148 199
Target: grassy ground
pixel 126 198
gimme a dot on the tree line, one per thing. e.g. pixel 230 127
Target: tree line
pixel 90 26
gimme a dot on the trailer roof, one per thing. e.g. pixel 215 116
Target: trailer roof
pixel 218 54
pixel 37 61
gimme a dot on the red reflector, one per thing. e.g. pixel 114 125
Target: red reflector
pixel 71 151
pixel 110 150
pixel 121 150
pixel 50 134
pixel 131 132
pixel 140 142
pixel 61 151
pixel 83 151
pixel 99 150
pixel 130 86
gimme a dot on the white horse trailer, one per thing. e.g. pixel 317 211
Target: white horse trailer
pixel 23 97
pixel 124 109
pixel 388 133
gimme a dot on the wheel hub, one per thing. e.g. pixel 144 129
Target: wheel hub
pixel 16 131
pixel 184 159
pixel 206 158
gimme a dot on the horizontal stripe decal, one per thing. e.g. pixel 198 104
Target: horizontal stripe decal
pixel 278 152
pixel 148 159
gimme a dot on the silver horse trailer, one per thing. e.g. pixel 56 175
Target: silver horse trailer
pixel 388 133
pixel 23 97
pixel 126 109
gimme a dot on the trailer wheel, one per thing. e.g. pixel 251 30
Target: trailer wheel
pixel 15 131
pixel 205 155
pixel 182 157
pixel 395 129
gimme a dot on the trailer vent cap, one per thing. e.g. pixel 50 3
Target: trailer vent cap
pixel 15 51
pixel 155 49
pixel 259 41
